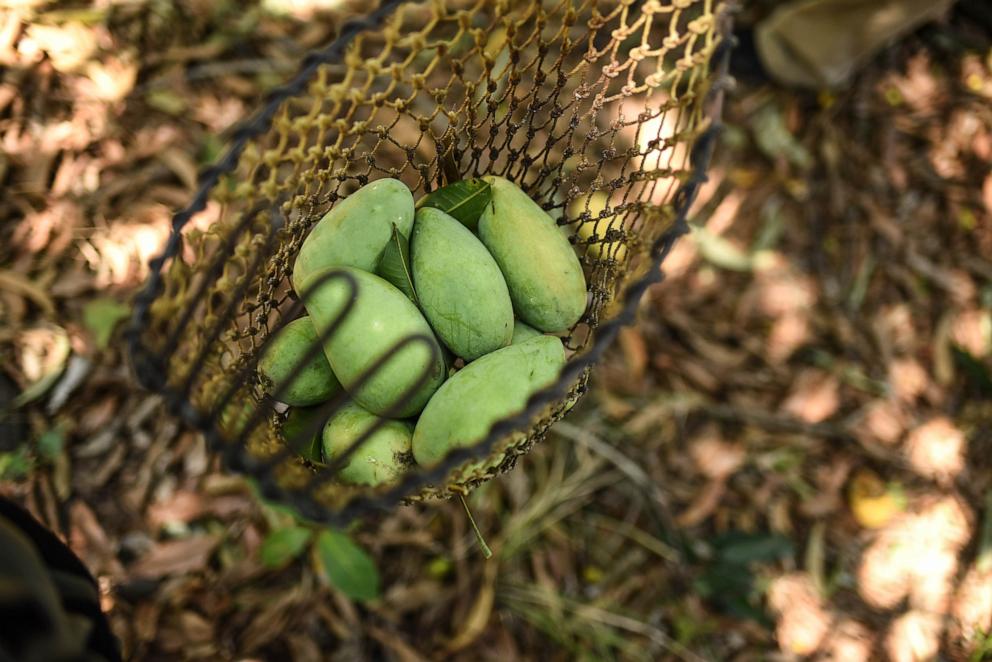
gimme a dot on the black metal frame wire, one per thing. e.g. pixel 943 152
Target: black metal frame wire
pixel 150 365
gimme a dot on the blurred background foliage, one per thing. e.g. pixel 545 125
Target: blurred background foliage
pixel 791 453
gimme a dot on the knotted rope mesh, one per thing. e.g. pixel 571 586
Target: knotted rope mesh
pixel 603 111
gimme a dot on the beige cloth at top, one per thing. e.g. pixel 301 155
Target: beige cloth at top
pixel 820 43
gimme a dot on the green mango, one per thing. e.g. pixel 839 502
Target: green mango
pixel 542 272
pixel 315 383
pixel 459 286
pixel 354 233
pixel 381 459
pixel 522 332
pixel 294 427
pixel 380 317
pixel 485 391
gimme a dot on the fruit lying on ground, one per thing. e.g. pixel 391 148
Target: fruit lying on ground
pixel 355 231
pixel 381 316
pixel 314 383
pixel 542 272
pixel 380 459
pixel 459 286
pixel 483 392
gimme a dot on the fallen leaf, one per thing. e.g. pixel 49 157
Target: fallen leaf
pixel 22 286
pixel 283 545
pixel 882 421
pixel 181 506
pixel 937 449
pixel 914 636
pixel 175 557
pixel 478 616
pixel 720 252
pixel 50 443
pixel 873 503
pixel 716 458
pixel 403 651
pixel 45 351
pixel 774 138
pixel 167 101
pixel 101 316
pixel 69 45
pixel 815 396
pixel 908 379
pixel 849 641
pixel 972 607
pixel 803 619
pixel 635 352
pixel 348 567
pixel 971 331
pixel 196 628
pixel 76 371
pixel 112 79
pixel 704 505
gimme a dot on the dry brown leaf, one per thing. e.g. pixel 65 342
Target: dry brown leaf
pixel 403 651
pixel 112 79
pixel 716 458
pixel 181 506
pixel 908 379
pixel 782 290
pixel 180 162
pixel 987 193
pixel 849 641
pixel 788 333
pixel 90 542
pixel 409 597
pixel 895 330
pixel 802 619
pixel 635 352
pixel 478 616
pixel 68 45
pixel 971 330
pixel 99 415
pixel 872 502
pixel 196 628
pixel 829 481
pixel 937 449
pixel 273 620
pixel 815 396
pixel 175 557
pixel 882 421
pixel 913 637
pixel 22 286
pixel 145 620
pixel 304 648
pixel 704 505
pixel 972 608
pixel 896 565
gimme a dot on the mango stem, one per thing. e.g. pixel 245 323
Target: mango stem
pixel 486 551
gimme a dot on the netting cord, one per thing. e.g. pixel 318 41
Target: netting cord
pixel 151 373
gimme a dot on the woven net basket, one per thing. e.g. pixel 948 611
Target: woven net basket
pixel 603 111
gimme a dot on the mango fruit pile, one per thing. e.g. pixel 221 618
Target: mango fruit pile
pixel 476 268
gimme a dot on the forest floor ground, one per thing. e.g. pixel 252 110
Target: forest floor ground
pixel 790 454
